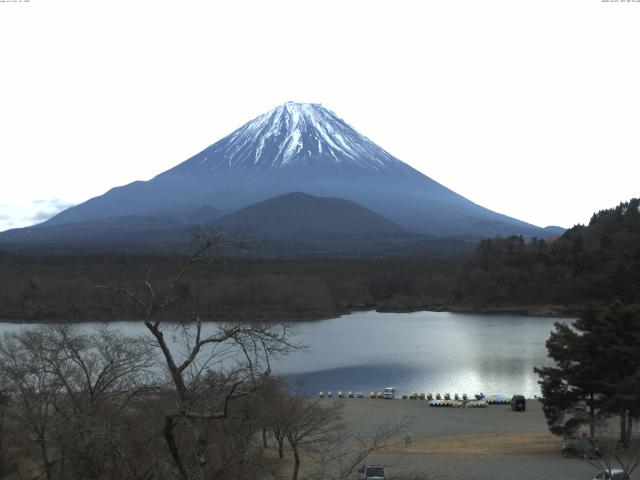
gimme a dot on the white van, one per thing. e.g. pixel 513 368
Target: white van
pixel 390 393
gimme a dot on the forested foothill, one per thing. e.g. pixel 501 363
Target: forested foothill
pixel 590 264
pixel 586 265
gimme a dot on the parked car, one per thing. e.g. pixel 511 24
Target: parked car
pixel 616 474
pixel 371 472
pixel 583 447
pixel 518 403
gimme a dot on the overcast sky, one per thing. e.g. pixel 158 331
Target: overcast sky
pixel 529 108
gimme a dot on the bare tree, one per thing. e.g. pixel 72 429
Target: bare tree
pixel 307 424
pixel 32 391
pixel 70 392
pixel 616 454
pixel 100 372
pixel 269 410
pixel 98 369
pixel 234 355
pixel 341 458
pixel 4 403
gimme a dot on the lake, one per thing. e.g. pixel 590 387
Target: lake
pixel 420 351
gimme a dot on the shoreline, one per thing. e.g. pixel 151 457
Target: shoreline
pixel 544 311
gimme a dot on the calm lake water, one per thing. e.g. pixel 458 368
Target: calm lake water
pixel 421 351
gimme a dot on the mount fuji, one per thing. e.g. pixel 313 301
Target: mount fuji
pixel 296 147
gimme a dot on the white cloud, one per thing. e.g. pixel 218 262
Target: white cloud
pixel 41 216
pixel 52 208
pixel 27 213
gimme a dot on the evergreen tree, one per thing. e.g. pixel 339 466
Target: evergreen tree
pixel 617 330
pixel 569 390
pixel 597 371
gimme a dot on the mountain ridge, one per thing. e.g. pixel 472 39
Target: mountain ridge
pixel 301 148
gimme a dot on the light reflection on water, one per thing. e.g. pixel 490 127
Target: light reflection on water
pixel 421 352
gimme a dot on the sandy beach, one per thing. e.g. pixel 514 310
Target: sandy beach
pixel 466 443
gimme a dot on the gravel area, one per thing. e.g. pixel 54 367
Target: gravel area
pixel 461 426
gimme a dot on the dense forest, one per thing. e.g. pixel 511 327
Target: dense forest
pixel 54 287
pixel 587 264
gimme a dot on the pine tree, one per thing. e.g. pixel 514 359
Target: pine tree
pixel 597 371
pixel 569 391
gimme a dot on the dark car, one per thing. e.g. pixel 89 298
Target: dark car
pixel 518 403
pixel 372 472
pixel 613 474
pixel 583 447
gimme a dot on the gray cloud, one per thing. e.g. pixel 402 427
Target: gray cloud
pixel 63 206
pixel 42 215
pixel 53 202
pixel 52 206
pixel 4 217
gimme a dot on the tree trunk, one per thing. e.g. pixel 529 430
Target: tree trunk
pixel 3 468
pixel 280 446
pixel 201 442
pixel 296 464
pixel 592 417
pixel 167 431
pixel 45 459
pixel 623 427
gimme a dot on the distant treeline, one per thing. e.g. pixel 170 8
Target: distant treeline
pixel 64 287
pixel 587 264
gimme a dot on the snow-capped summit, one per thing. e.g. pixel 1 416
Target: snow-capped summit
pixel 289 136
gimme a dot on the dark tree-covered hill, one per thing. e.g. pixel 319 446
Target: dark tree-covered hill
pixel 587 264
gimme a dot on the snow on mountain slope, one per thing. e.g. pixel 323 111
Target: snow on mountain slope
pixel 289 136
